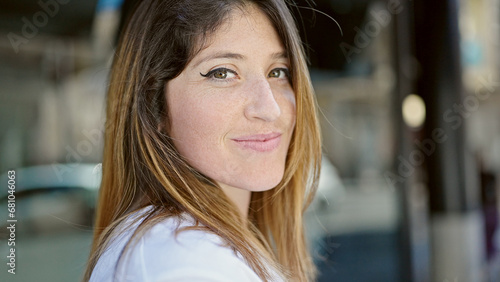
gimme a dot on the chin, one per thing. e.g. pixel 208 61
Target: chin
pixel 255 184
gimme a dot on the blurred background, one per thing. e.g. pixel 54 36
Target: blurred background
pixel 409 96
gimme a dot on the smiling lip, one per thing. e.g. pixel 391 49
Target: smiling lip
pixel 259 142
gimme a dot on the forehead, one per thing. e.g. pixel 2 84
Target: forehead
pixel 244 30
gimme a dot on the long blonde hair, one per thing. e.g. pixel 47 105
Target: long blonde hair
pixel 141 166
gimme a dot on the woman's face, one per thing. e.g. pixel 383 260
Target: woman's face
pixel 232 110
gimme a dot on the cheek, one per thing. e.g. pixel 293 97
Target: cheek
pixel 289 106
pixel 193 125
pixel 198 126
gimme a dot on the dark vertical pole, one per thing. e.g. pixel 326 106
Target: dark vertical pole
pixel 440 85
pixel 453 191
pixel 414 240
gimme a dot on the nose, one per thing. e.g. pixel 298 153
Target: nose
pixel 261 103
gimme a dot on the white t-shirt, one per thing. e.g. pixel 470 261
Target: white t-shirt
pixel 193 255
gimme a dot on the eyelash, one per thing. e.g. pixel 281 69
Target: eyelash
pixel 211 73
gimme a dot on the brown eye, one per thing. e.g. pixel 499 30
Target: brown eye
pixel 220 74
pixel 279 73
pixel 274 73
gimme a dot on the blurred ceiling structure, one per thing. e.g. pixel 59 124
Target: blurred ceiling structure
pixel 54 17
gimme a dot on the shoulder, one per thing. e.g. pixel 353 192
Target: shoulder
pixel 192 255
pixel 160 255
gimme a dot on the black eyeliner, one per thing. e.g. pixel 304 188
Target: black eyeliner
pixel 207 74
pixel 215 70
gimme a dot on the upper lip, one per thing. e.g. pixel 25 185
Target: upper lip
pixel 258 137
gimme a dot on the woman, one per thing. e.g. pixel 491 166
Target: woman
pixel 212 147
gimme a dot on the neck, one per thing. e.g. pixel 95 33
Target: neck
pixel 240 197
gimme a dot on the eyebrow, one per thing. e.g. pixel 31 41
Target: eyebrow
pixel 219 55
pixel 279 55
pixel 229 55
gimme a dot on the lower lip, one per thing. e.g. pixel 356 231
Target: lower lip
pixel 260 146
